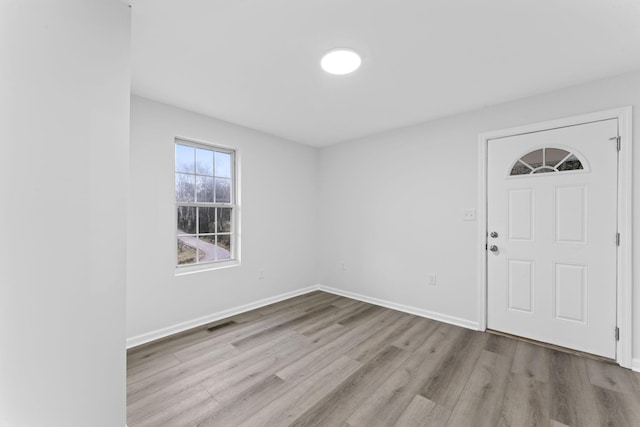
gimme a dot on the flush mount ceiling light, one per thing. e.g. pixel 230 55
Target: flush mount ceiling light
pixel 340 61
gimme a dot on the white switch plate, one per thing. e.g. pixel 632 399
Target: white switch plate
pixel 432 279
pixel 469 214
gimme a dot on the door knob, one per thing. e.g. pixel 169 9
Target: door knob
pixel 493 248
pixel 494 234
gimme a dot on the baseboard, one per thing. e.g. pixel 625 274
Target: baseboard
pixel 183 326
pixel 635 365
pixel 180 327
pixel 404 308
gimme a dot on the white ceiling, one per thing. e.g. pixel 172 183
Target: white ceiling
pixel 257 62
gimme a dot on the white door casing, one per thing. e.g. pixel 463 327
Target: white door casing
pixel 553 277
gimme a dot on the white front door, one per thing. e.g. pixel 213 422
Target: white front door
pixel 551 218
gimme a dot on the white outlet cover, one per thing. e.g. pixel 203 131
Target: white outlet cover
pixel 469 214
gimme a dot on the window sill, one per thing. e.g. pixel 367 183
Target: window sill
pixel 190 269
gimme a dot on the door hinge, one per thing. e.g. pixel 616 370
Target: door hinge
pixel 617 332
pixel 486 246
pixel 618 140
pixel 617 239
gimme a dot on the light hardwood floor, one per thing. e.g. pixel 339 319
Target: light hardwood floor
pixel 324 360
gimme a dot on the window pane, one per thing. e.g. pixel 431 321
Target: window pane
pixel 223 164
pixel 185 187
pixel 186 253
pixel 205 189
pixel 520 169
pixel 185 157
pixel 554 155
pixel 223 190
pixel 207 220
pixel 208 239
pixel 572 163
pixel 186 220
pixel 224 220
pixel 207 248
pixel 204 162
pixel 533 159
pixel 224 246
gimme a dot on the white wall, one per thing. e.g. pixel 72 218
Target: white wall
pixel 64 112
pixel 388 207
pixel 278 209
pixel 391 204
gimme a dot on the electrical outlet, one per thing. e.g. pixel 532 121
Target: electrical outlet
pixel 260 274
pixel 469 214
pixel 432 279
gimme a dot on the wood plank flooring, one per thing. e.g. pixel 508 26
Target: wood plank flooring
pixel 324 360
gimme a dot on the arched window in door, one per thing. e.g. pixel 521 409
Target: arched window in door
pixel 546 160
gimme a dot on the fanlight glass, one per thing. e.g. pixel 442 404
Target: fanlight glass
pixel 546 160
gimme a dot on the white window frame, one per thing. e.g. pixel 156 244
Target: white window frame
pixel 234 205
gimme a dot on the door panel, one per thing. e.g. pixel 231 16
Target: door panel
pixel 521 214
pixel 571 214
pixel 552 202
pixel 521 285
pixel 571 292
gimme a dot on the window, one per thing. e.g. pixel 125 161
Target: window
pixel 205 204
pixel 545 160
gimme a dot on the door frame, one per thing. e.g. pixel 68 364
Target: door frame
pixel 624 311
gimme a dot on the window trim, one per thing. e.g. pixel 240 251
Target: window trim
pixel 234 205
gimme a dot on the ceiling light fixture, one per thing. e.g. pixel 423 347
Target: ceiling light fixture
pixel 340 61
